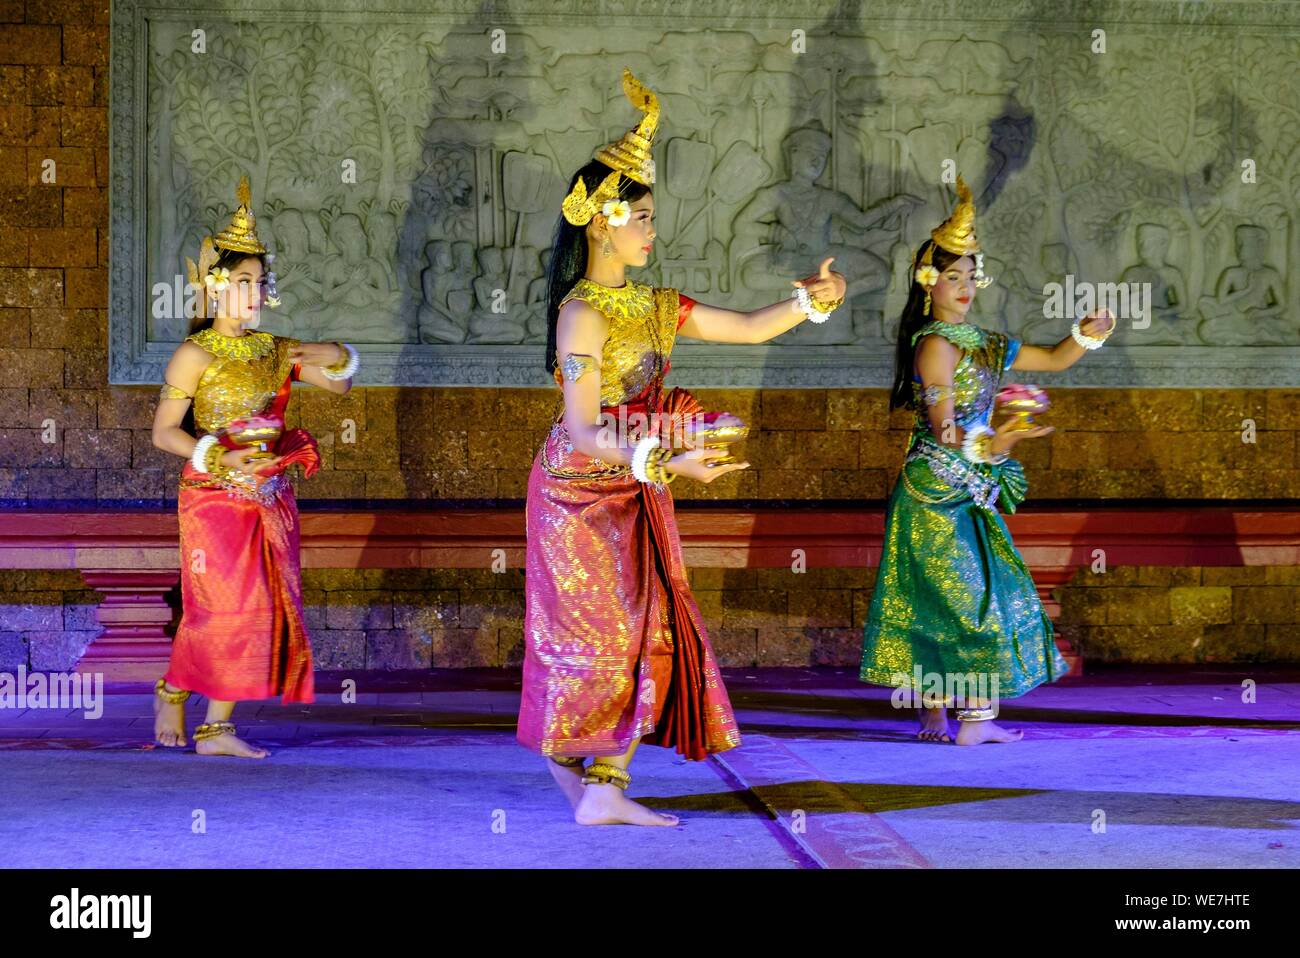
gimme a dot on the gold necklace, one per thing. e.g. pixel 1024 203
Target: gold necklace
pixel 626 302
pixel 248 347
pixel 635 301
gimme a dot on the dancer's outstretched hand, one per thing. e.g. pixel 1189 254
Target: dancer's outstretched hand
pixel 1098 324
pixel 317 354
pixel 695 464
pixel 824 285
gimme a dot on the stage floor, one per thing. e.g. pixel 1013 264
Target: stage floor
pixel 425 772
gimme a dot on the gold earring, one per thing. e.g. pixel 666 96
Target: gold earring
pixel 927 303
pixel 606 250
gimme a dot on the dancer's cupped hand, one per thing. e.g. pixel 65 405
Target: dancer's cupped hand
pixel 241 460
pixel 695 464
pixel 1009 433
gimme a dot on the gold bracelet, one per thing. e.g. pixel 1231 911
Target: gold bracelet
pixel 825 307
pixel 662 467
pixel 212 460
pixel 655 466
pixel 342 364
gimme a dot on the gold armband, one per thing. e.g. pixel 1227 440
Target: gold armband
pixel 173 392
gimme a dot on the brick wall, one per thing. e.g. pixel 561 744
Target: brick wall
pixel 478 444
pixel 1157 615
pixel 54 253
pixel 810 444
pixel 47 618
pixel 394 619
pixel 412 618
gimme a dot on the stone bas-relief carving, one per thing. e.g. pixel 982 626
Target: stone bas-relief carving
pixel 1169 306
pixel 792 223
pixel 410 175
pixel 1248 306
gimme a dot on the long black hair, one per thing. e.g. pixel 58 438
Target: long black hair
pixel 226 259
pixel 913 319
pixel 569 249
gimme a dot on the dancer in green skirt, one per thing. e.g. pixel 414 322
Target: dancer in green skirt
pixel 955 618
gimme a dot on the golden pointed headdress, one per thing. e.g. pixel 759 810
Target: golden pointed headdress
pixel 957 233
pixel 241 234
pixel 628 156
pixel 631 154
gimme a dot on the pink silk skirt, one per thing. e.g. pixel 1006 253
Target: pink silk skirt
pixel 598 619
pixel 242 633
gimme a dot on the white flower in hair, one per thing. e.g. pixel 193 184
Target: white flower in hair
pixel 218 279
pixel 926 275
pixel 617 212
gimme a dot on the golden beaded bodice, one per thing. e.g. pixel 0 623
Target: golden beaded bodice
pixel 245 374
pixel 642 327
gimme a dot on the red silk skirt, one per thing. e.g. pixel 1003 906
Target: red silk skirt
pixel 615 646
pixel 242 633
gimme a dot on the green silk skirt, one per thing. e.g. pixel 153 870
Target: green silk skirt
pixel 953 595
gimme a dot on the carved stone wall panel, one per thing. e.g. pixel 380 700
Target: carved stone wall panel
pixel 407 167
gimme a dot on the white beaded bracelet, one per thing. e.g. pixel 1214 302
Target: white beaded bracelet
pixel 813 314
pixel 970 445
pixel 1087 342
pixel 641 457
pixel 199 456
pixel 348 371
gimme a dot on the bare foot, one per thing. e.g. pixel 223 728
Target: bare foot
pixel 569 780
pixel 977 733
pixel 934 725
pixel 228 744
pixel 607 805
pixel 168 722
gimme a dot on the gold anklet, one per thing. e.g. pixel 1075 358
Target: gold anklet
pixel 977 715
pixel 602 773
pixel 568 761
pixel 213 730
pixel 171 698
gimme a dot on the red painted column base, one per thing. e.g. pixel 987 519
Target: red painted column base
pixel 135 614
